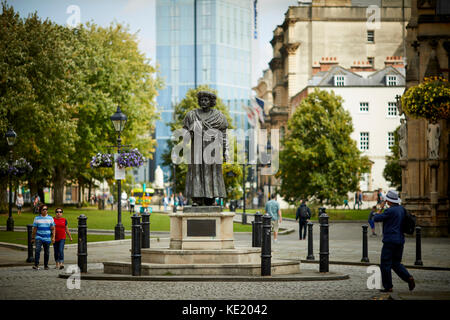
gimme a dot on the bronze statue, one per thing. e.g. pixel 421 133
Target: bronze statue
pixel 207 126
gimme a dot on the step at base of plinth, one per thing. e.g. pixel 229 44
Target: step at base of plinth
pixel 278 267
pixel 223 256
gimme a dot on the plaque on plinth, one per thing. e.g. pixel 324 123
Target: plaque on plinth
pixel 201 227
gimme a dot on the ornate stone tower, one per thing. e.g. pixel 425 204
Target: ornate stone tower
pixel 425 167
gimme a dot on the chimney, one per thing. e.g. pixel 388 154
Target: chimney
pixel 326 63
pixel 394 61
pixel 361 66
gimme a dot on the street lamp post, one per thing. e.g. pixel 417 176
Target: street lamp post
pixel 119 119
pixel 11 139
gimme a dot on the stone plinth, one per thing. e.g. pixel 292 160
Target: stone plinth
pixel 201 228
pixel 173 256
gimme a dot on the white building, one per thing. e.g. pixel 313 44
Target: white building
pixel 370 97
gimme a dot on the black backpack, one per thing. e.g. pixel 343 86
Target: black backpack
pixel 408 223
pixel 304 212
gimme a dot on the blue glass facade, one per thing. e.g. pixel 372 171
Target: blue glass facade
pixel 218 56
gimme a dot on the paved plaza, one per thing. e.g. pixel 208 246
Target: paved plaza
pixel 19 281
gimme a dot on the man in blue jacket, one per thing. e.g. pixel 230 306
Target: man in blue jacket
pixel 393 242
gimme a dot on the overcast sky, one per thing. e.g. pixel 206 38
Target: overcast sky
pixel 140 16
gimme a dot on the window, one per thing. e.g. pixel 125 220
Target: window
pixel 371 61
pixel 391 80
pixel 363 107
pixel 392 109
pixel 363 141
pixel 390 140
pixel 339 81
pixel 370 36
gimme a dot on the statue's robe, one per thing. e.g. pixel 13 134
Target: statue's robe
pixel 205 180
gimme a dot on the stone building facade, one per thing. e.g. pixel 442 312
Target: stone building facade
pixel 425 177
pixel 324 33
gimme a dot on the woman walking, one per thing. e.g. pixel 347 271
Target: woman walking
pixel 19 203
pixel 61 229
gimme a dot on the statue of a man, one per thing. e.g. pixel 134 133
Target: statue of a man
pixel 434 133
pixel 402 140
pixel 207 126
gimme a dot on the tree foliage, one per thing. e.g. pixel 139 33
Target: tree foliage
pixel 392 171
pixel 319 160
pixel 58 89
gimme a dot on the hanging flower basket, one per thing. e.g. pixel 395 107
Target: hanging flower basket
pixel 430 100
pixel 22 167
pixel 19 168
pixel 102 160
pixel 133 158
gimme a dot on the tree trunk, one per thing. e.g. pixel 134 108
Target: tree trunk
pixel 58 186
pixel 4 196
pixel 80 201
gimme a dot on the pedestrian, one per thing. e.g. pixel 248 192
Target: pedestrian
pixel 180 200
pixel 36 203
pixel 380 196
pixel 303 215
pixel 393 242
pixel 346 204
pixel 360 197
pixel 19 203
pixel 370 219
pixel 111 201
pixel 165 201
pixel 61 229
pixel 273 209
pixel 132 202
pixel 43 234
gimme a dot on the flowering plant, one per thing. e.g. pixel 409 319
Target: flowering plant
pixel 19 168
pixel 102 160
pixel 430 99
pixel 130 159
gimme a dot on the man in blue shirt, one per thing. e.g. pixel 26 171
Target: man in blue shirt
pixel 44 235
pixel 393 242
pixel 273 209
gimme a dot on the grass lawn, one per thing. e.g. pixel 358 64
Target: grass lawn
pixel 21 237
pixel 334 214
pixel 102 219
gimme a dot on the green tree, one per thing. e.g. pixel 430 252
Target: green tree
pixel 392 171
pixel 181 109
pixel 319 160
pixel 35 85
pixel 58 88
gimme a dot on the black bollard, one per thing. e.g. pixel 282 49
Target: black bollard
pixel 310 241
pixel 136 241
pixel 418 261
pixel 365 251
pixel 145 230
pixel 324 254
pixel 82 243
pixel 258 229
pixel 30 244
pixel 266 250
pixel 244 218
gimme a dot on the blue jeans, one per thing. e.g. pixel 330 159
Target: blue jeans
pixel 58 247
pixel 391 258
pixel 46 245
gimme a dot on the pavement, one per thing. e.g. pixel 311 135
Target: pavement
pixel 19 281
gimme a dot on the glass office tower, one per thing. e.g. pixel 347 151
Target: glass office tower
pixel 202 42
